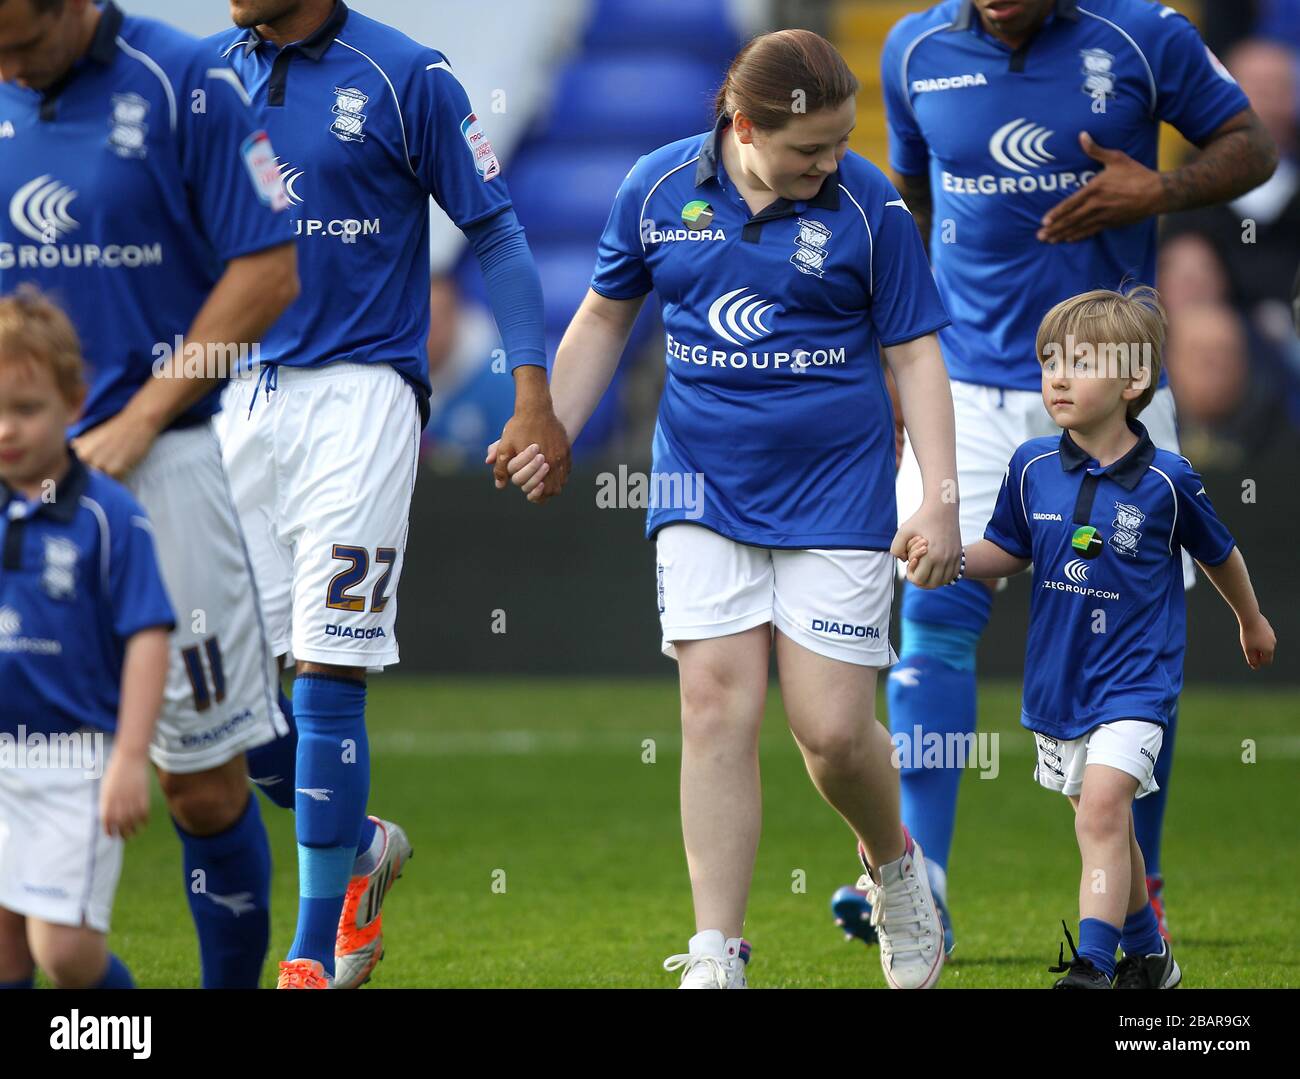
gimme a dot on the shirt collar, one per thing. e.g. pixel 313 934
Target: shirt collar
pixel 966 18
pixel 67 492
pixel 1127 471
pixel 103 46
pixel 315 44
pixel 827 198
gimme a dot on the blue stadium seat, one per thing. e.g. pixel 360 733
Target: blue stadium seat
pixel 701 27
pixel 565 192
pixel 657 97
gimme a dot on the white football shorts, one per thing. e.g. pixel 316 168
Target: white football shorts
pixel 1130 745
pixel 833 602
pixel 322 470
pixel 222 695
pixel 991 425
pixel 56 863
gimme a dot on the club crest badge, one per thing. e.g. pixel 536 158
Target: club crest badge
pixel 59 575
pixel 1098 78
pixel 349 114
pixel 1128 519
pixel 127 129
pixel 810 247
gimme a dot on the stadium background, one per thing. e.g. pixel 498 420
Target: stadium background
pixel 513 735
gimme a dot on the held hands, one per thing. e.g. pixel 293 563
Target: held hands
pixel 930 543
pixel 1258 642
pixel 527 470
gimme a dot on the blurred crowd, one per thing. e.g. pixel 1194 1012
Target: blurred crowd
pixel 1228 274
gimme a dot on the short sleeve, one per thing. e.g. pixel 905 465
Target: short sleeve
pixel 621 272
pixel 135 585
pixel 908 152
pixel 1194 91
pixel 450 151
pixel 905 301
pixel 1197 528
pixel 230 168
pixel 1007 527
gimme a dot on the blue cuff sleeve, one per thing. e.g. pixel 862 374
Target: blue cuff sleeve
pixel 514 289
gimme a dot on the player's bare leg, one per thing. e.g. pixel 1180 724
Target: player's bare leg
pixel 723 690
pixel 16 963
pixel 831 708
pixel 1103 823
pixel 205 803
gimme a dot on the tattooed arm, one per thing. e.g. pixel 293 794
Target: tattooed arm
pixel 1237 157
pixel 915 189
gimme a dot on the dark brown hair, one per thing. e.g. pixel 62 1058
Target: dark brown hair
pixel 782 74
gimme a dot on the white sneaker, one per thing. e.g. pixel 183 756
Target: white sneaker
pixel 906 920
pixel 711 962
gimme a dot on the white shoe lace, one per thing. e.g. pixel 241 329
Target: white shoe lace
pixel 897 937
pixel 716 971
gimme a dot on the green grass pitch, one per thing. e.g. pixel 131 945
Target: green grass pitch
pixel 549 854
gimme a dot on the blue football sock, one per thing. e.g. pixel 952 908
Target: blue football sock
pixel 333 784
pixel 116 976
pixel 271 766
pixel 931 692
pixel 1098 941
pixel 26 983
pixel 1149 812
pixel 1141 934
pixel 228 885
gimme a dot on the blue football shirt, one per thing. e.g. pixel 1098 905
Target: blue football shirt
pixel 368 124
pixel 775 395
pixel 998 129
pixel 1107 621
pixel 79 577
pixel 125 189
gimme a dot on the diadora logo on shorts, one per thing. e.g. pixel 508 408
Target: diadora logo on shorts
pixel 1077 570
pixel 39 210
pixel 737 316
pixel 951 82
pixel 1020 145
pixel 349 114
pixel 348 632
pixel 845 629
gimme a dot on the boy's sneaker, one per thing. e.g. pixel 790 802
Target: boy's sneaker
pixel 1080 972
pixel 1155 892
pixel 905 918
pixel 712 962
pixel 1148 971
pixel 359 945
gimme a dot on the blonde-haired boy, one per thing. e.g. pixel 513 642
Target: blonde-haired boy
pixel 84 624
pixel 1101 514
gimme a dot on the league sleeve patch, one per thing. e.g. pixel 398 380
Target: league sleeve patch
pixel 485 158
pixel 259 158
pixel 1217 64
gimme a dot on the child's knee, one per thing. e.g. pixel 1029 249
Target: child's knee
pixel 72 958
pixel 16 963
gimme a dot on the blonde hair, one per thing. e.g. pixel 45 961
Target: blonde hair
pixel 1113 322
pixel 34 329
